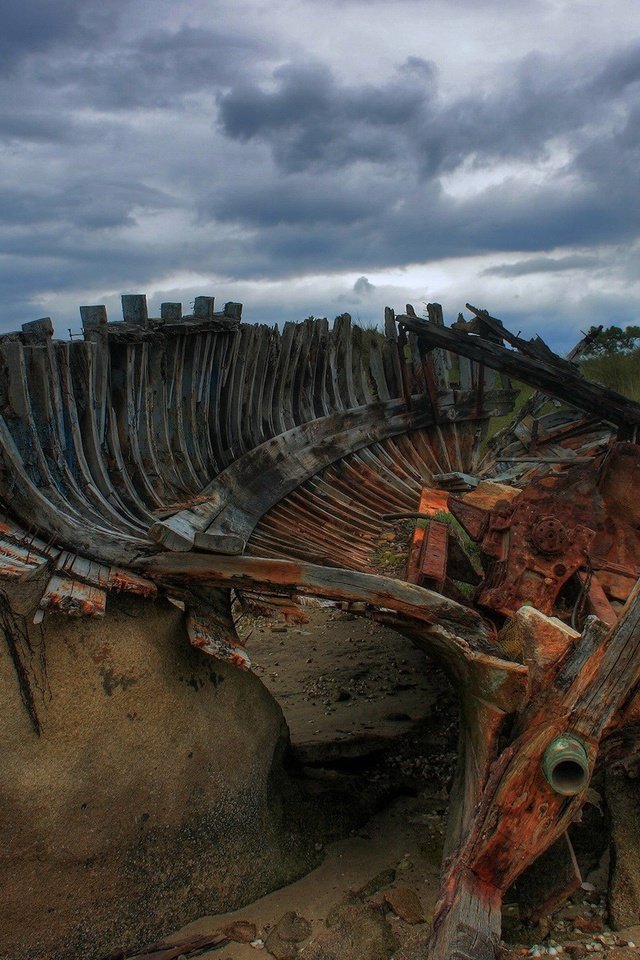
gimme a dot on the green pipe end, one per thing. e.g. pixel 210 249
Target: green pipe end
pixel 566 765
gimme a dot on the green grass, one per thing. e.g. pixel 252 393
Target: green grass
pixel 619 371
pixel 497 423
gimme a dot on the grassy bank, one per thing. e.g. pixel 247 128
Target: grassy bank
pixel 620 371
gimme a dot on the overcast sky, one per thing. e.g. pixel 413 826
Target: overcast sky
pixel 321 156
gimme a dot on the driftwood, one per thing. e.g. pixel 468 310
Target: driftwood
pixel 197 455
pixel 192 944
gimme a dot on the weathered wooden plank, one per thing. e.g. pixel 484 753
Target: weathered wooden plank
pixel 444 621
pixel 134 309
pixel 210 627
pixel 247 489
pixel 37 332
pixel 203 308
pixel 66 595
pixel 577 695
pixel 171 312
pixel 555 378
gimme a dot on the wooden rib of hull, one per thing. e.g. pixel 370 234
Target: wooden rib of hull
pixel 148 425
pixel 153 453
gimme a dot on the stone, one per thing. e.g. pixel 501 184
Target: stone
pixel 290 930
pixel 154 795
pixel 280 949
pixel 405 903
pixel 359 932
pixel 383 879
pixel 575 949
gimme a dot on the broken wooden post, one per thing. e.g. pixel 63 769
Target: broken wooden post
pixel 134 309
pixel 523 807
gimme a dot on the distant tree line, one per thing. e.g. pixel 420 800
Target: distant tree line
pixel 613 340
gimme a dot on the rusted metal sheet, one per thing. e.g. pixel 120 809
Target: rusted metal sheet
pixel 556 528
pixel 435 551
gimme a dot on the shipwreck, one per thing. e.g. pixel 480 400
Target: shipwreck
pixel 189 457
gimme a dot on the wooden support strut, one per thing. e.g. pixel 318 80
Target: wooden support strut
pixel 550 374
pixel 577 689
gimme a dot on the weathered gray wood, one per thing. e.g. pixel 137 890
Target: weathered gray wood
pixel 246 490
pixel 233 310
pixel 171 312
pixel 93 317
pixel 448 621
pixel 203 308
pixel 558 379
pixel 134 309
pixel 37 331
pixel 73 597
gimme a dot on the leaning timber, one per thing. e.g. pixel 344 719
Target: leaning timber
pixel 186 457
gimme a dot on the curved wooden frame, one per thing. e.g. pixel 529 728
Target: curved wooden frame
pixel 125 456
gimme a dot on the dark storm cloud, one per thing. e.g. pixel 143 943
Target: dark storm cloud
pixel 36 27
pixel 377 153
pixel 621 71
pixel 35 126
pixel 424 226
pixel 144 140
pixel 303 200
pixel 311 120
pixel 78 205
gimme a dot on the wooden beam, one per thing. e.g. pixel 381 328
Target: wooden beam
pixel 556 377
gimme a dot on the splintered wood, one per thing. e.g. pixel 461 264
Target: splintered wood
pixel 192 456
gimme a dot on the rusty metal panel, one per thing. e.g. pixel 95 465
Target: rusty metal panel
pixel 433 565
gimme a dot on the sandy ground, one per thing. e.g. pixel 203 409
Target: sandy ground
pixel 354 692
pixel 339 677
pixel 350 689
pixel 390 845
